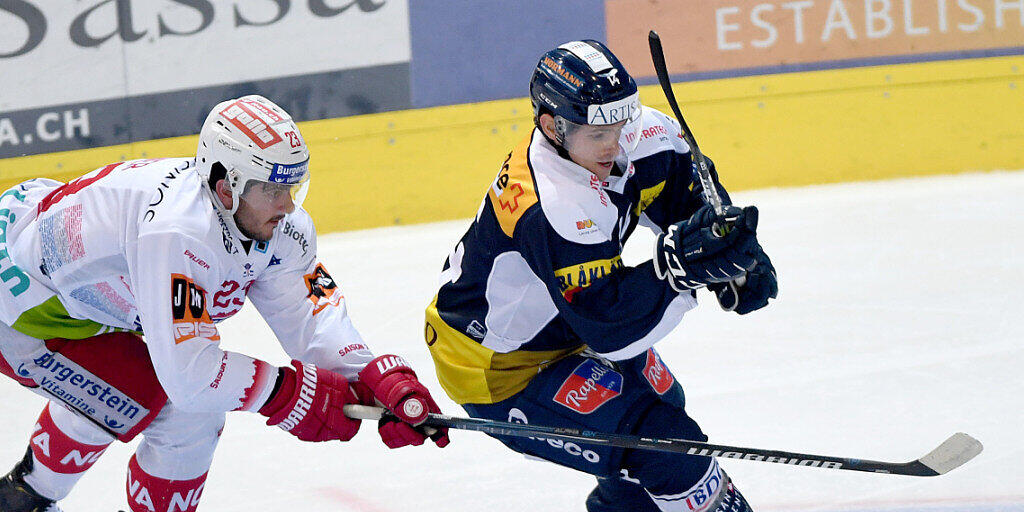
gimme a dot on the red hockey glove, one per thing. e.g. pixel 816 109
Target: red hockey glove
pixel 389 381
pixel 308 404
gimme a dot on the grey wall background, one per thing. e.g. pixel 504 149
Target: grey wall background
pixel 465 51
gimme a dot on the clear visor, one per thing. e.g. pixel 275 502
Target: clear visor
pixel 589 139
pixel 261 194
pixel 290 178
pixel 613 127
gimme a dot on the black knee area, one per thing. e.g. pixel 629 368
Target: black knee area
pixel 666 472
pixel 618 495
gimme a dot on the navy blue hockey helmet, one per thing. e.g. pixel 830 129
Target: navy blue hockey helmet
pixel 583 83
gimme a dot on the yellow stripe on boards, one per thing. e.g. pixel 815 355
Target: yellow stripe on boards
pixel 763 131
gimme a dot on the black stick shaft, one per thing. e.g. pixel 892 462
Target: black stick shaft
pixel 951 454
pixel 704 173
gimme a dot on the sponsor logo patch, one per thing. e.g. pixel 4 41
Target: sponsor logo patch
pixel 293 232
pixel 254 120
pixel 518 416
pixel 577 277
pixel 188 309
pixel 83 391
pixel 589 387
pixel 655 131
pixel 196 259
pixel 476 330
pixel 351 348
pixel 657 373
pixel 584 224
pixel 323 291
pixel 564 75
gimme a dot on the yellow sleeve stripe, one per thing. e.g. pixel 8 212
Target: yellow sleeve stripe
pixel 647 196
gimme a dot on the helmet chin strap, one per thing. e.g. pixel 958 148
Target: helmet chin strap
pixel 236 199
pixel 234 181
pixel 559 139
pixel 218 204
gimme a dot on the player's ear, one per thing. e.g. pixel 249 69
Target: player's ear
pixel 223 191
pixel 547 124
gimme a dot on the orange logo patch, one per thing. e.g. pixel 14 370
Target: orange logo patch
pixel 323 291
pixel 188 309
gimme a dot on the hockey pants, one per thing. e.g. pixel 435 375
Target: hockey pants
pixel 167 471
pixel 636 396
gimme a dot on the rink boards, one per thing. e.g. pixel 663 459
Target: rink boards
pixel 430 164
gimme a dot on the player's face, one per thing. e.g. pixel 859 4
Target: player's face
pixel 261 208
pixel 594 147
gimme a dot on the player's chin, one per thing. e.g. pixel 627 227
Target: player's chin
pixel 601 169
pixel 267 232
pixel 262 234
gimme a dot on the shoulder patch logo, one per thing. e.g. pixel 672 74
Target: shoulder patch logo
pixel 512 191
pixel 513 203
pixel 188 310
pixel 323 291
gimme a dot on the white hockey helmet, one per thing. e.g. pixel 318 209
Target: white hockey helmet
pixel 254 139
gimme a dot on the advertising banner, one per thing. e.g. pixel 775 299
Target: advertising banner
pixel 103 72
pixel 721 38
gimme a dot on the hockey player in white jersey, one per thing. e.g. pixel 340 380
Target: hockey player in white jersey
pixel 538 320
pixel 162 250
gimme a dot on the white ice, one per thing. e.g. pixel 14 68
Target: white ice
pixel 894 328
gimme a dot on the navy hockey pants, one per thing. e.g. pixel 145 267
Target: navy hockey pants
pixel 636 396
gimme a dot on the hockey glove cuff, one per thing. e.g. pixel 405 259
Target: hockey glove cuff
pixel 308 404
pixel 759 285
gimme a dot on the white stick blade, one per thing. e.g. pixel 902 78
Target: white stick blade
pixel 952 453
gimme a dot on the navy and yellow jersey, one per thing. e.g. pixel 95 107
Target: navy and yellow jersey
pixel 539 274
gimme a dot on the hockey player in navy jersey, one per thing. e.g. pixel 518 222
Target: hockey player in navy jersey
pixel 538 320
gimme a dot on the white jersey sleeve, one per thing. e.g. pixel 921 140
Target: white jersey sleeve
pixel 173 276
pixel 304 306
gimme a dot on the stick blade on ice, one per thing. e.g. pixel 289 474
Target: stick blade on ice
pixel 952 453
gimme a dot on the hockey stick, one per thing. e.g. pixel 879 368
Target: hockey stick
pixel 709 190
pixel 949 455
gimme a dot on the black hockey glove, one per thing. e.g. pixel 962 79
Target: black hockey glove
pixel 690 255
pixel 759 285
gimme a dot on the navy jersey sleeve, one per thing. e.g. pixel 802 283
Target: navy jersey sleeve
pixel 682 193
pixel 618 311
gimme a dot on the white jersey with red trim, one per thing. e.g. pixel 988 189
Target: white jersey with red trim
pixel 139 245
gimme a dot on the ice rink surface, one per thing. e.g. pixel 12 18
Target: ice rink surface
pixel 897 324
